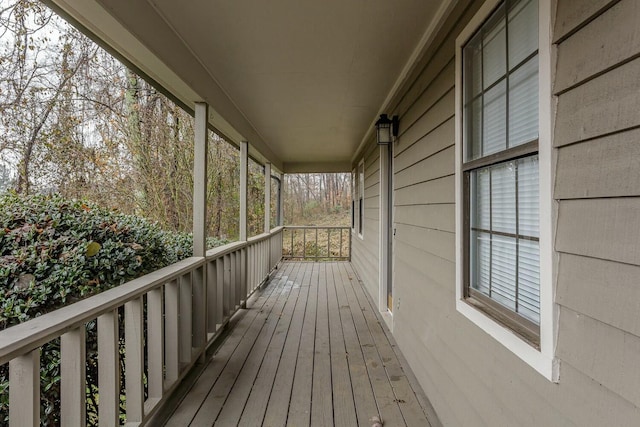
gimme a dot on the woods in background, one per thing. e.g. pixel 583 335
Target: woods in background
pixel 75 121
pixel 317 199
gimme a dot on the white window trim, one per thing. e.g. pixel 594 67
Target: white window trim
pixel 353 200
pixel 361 188
pixel 542 360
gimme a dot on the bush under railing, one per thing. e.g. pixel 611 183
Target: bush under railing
pixel 170 317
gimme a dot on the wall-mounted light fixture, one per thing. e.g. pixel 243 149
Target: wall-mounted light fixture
pixel 387 129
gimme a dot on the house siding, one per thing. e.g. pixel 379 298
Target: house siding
pixel 365 256
pixel 471 379
pixel 597 188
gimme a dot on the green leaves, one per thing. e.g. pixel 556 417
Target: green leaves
pixel 54 251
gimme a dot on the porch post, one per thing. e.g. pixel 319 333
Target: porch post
pixel 385 302
pixel 281 201
pixel 199 288
pixel 244 172
pixel 267 197
pixel 200 181
pixel 244 176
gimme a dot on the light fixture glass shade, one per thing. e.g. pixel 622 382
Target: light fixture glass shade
pixel 383 127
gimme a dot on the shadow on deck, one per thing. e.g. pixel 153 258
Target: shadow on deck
pixel 309 350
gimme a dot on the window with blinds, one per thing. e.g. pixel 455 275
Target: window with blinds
pixel 500 166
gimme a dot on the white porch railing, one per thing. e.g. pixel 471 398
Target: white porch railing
pixel 185 307
pixel 316 243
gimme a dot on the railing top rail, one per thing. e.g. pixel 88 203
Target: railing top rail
pixel 317 227
pixel 225 249
pixel 27 336
pixel 258 238
pixel 234 246
pixel 20 339
pixel 264 236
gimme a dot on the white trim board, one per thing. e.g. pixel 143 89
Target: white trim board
pixel 542 360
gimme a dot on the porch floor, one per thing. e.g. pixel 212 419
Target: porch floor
pixel 309 350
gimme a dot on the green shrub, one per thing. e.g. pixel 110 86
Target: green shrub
pixel 55 251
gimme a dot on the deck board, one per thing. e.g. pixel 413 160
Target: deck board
pixel 300 403
pixel 189 406
pixel 410 408
pixel 309 351
pixel 256 404
pixel 343 400
pixel 278 407
pixel 322 397
pixel 387 404
pixel 221 390
pixel 364 399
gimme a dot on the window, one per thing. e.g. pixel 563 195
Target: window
pixel 361 198
pixel 504 254
pixel 500 166
pixel 353 200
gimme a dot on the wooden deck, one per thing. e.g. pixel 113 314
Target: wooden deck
pixel 309 350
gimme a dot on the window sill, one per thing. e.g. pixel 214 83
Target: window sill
pixel 525 329
pixel 544 363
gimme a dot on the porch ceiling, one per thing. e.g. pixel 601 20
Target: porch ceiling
pixel 302 81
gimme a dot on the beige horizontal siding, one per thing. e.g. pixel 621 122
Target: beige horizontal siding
pixel 438 139
pixel 439 190
pixel 435 57
pixel 611 39
pixel 607 104
pixel 603 290
pixel 371 215
pixel 365 250
pixel 607 229
pixel 604 167
pixel 365 260
pixel 371 190
pixel 597 187
pixel 439 113
pixel 591 403
pixel 438 217
pixel 572 14
pixel 469 359
pixel 425 266
pixel 440 243
pixel 470 378
pixel 371 170
pixel 433 167
pixel 609 355
pixel 433 92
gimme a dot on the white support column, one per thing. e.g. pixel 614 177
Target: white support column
pixel 281 201
pixel 267 197
pixel 199 288
pixel 384 300
pixel 244 179
pixel 200 180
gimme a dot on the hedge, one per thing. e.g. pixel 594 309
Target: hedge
pixel 55 251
